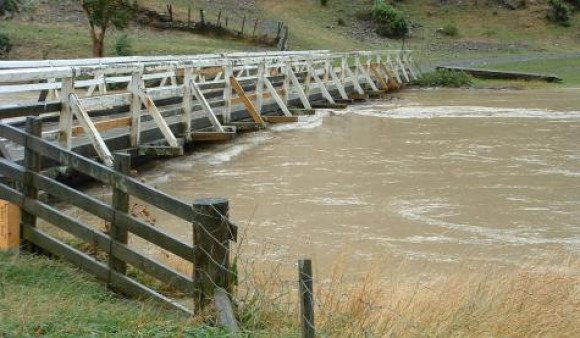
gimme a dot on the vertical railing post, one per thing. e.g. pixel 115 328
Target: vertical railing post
pixel 66 115
pixel 122 164
pixel 187 102
pixel 135 87
pixel 260 85
pixel 286 83
pixel 212 233
pixel 228 72
pixel 306 298
pixel 32 163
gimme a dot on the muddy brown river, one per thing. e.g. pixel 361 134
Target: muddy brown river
pixel 430 179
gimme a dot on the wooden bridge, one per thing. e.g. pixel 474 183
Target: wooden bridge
pixel 93 116
pixel 158 105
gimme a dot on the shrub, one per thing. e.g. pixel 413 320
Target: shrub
pixel 5 45
pixel 323 2
pixel 450 29
pixel 445 78
pixel 560 12
pixel 341 22
pixel 9 6
pixel 391 21
pixel 123 46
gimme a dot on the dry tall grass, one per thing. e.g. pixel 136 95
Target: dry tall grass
pixel 533 301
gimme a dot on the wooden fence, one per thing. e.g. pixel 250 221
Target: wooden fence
pixel 114 243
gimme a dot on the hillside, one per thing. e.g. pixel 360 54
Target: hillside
pixel 56 29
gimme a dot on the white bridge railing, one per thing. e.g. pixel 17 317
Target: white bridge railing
pixel 78 93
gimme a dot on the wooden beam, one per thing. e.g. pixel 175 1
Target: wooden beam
pixel 66 115
pixel 338 84
pixel 187 103
pixel 159 120
pixel 104 125
pixel 206 107
pixel 260 86
pixel 281 119
pixel 380 77
pixel 277 97
pixel 323 89
pixel 91 131
pixel 135 88
pixel 367 76
pixel 246 101
pixel 298 86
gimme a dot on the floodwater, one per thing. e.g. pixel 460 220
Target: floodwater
pixel 427 179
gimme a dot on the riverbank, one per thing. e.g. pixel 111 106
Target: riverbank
pixel 43 297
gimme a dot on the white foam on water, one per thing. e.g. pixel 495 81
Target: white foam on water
pixel 428 112
pixel 304 122
pixel 421 211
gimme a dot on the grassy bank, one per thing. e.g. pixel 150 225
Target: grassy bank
pixel 566 68
pixel 42 297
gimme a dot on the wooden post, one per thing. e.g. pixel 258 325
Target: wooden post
pixel 135 87
pixel 120 203
pixel 32 165
pixel 228 72
pixel 187 102
pixel 212 233
pixel 9 226
pixel 188 17
pixel 219 19
pixel 306 298
pixel 202 17
pixel 260 86
pixel 66 115
pixel 243 24
pixel 170 11
pixel 255 27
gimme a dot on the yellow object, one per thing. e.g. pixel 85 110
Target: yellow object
pixel 9 226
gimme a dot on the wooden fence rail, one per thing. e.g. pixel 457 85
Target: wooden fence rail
pixel 114 243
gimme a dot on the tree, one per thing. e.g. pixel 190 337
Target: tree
pixel 102 14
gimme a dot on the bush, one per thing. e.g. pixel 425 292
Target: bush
pixel 7 6
pixel 391 21
pixel 123 46
pixel 323 2
pixel 445 78
pixel 5 45
pixel 560 12
pixel 450 29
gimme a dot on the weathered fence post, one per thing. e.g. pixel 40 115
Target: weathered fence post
pixel 212 233
pixel 306 298
pixel 188 17
pixel 66 115
pixel 120 203
pixel 255 27
pixel 202 17
pixel 32 164
pixel 219 19
pixel 243 24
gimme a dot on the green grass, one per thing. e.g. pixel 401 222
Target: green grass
pixel 43 297
pixel 36 41
pixel 567 68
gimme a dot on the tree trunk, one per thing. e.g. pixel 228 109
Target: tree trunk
pixel 98 48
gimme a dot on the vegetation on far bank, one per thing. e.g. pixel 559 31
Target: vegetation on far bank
pixel 445 78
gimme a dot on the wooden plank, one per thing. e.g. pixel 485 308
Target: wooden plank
pixel 254 113
pixel 213 136
pixel 367 76
pixel 277 97
pixel 31 164
pixel 260 86
pixel 135 119
pixel 105 125
pixel 120 203
pixel 91 131
pixel 380 77
pixel 301 94
pixel 280 119
pixel 338 84
pixel 325 92
pixel 96 268
pixel 500 74
pixel 228 73
pixel 206 107
pixel 159 120
pixel 187 103
pixel 66 114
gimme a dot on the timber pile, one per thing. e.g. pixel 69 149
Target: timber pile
pixel 505 75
